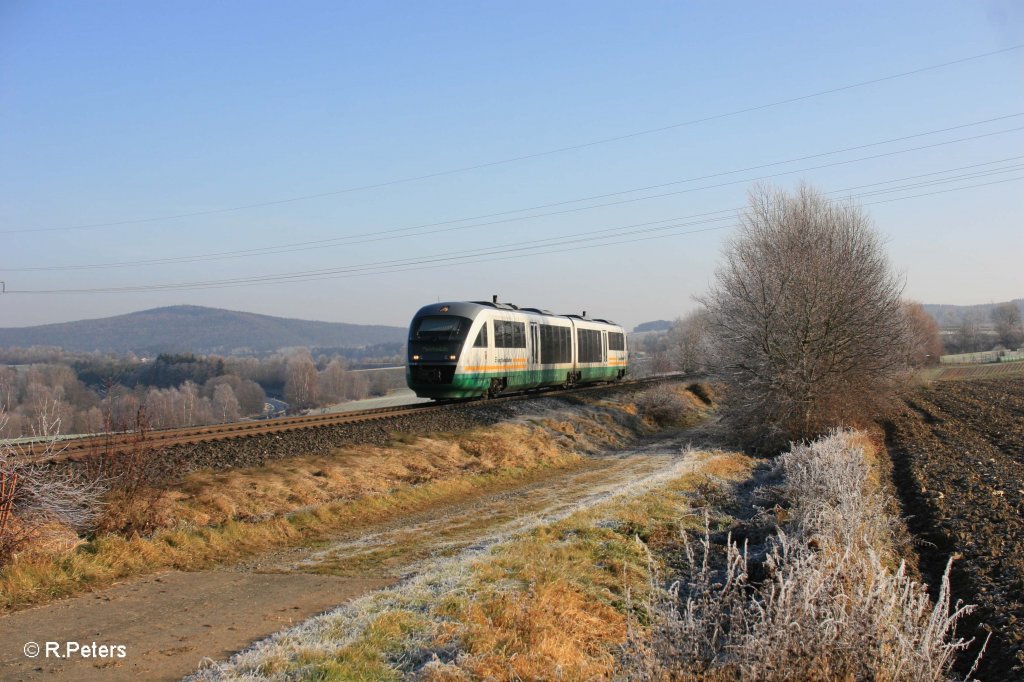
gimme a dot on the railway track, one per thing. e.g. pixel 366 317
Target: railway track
pixel 77 449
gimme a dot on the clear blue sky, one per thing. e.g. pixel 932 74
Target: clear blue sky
pixel 127 111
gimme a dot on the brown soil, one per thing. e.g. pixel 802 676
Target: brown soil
pixel 171 622
pixel 958 456
pixel 168 622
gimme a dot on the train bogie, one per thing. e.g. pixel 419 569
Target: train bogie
pixel 473 349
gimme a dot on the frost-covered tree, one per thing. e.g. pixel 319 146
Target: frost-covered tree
pixel 688 342
pixel 225 404
pixel 333 381
pixel 300 387
pixel 805 318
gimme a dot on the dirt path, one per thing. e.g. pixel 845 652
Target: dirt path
pixel 170 622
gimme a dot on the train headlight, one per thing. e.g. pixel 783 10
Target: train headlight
pixel 415 357
pixel 452 357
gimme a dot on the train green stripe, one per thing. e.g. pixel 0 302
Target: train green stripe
pixel 472 384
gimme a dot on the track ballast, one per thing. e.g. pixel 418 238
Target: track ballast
pixel 77 449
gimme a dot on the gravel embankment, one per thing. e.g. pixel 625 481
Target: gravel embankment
pixel 257 450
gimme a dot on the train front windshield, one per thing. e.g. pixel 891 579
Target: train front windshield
pixel 439 328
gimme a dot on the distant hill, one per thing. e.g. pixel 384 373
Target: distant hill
pixel 653 326
pixel 952 315
pixel 196 329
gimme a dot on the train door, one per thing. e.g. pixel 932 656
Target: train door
pixel 535 345
pixel 604 348
pixel 482 346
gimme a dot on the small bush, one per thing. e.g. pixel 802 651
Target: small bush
pixel 136 478
pixel 664 405
pixel 35 500
pixel 830 606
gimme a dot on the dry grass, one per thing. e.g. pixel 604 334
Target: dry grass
pixel 283 486
pixel 219 517
pixel 831 604
pixel 671 404
pixel 555 602
pixel 39 577
pixel 558 602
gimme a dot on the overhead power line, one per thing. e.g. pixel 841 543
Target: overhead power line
pixel 534 155
pixel 541 247
pixel 452 225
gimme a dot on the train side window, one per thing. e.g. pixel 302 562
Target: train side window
pixel 481 338
pixel 554 343
pixel 590 347
pixel 616 341
pixel 509 334
pixel 518 335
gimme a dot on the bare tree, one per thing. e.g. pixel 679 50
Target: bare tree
pixel 8 387
pixel 225 404
pixel 924 345
pixel 1007 320
pixel 189 403
pixel 357 386
pixel 160 408
pixel 89 421
pixel 250 397
pixel 300 387
pixel 332 381
pixel 969 337
pixel 805 318
pixel 688 342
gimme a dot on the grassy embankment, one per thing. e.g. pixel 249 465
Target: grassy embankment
pixel 583 598
pixel 218 517
pixel 561 597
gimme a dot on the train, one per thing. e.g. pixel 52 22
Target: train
pixel 480 349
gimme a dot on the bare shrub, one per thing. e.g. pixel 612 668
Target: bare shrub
pixel 8 484
pixel 35 498
pixel 830 606
pixel 664 405
pixel 805 319
pixel 133 475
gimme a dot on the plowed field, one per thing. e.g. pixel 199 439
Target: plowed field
pixel 958 454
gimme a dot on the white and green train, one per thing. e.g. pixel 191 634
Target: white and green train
pixel 483 348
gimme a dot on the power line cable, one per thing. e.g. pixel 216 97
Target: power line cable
pixel 480 255
pixel 524 157
pixel 722 211
pixel 396 233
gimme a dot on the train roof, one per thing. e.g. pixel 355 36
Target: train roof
pixel 472 308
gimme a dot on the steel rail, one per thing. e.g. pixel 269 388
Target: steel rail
pixel 113 443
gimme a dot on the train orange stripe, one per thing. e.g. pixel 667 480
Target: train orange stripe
pixel 498 368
